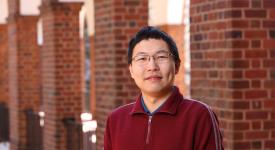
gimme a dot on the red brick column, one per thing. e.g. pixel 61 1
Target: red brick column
pixel 115 23
pixel 24 74
pixel 232 68
pixel 4 64
pixel 61 74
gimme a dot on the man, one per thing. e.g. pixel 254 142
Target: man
pixel 161 118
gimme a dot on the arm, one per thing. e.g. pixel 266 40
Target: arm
pixel 208 135
pixel 107 136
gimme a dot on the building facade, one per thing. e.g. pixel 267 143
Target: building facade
pixel 62 58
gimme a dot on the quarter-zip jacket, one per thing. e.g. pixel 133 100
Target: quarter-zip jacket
pixel 180 124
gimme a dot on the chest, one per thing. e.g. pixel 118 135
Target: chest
pixel 161 132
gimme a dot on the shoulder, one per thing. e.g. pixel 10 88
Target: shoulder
pixel 197 109
pixel 122 111
pixel 195 105
pixel 200 111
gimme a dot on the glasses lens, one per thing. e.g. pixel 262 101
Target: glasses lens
pixel 160 57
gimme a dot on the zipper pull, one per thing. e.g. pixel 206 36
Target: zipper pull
pixel 149 129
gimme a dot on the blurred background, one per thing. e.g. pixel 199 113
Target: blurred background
pixel 63 67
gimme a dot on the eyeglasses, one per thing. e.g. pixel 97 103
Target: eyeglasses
pixel 159 58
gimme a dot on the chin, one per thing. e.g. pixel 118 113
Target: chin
pixel 155 90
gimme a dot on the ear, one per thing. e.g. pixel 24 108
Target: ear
pixel 131 70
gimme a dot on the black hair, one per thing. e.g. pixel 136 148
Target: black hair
pixel 150 32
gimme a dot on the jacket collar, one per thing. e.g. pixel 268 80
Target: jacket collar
pixel 169 107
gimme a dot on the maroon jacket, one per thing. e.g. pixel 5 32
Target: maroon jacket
pixel 180 124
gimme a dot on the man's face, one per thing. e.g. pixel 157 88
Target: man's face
pixel 153 67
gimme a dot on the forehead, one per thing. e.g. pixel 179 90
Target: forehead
pixel 150 46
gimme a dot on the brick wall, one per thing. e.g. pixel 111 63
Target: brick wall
pixel 3 64
pixel 177 33
pixel 115 23
pixel 232 68
pixel 24 75
pixel 61 71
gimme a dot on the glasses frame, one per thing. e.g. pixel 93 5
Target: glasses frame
pixel 148 57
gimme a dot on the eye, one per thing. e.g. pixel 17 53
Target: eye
pixel 162 56
pixel 140 58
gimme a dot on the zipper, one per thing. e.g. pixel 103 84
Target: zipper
pixel 149 129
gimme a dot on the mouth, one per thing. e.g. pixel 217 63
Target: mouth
pixel 153 78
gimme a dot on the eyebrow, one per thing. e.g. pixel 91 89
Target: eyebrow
pixel 160 51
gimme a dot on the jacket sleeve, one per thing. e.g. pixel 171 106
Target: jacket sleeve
pixel 107 136
pixel 208 135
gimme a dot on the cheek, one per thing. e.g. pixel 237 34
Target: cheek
pixel 169 71
pixel 137 73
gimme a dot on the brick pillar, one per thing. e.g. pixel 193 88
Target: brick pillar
pixel 61 71
pixel 4 65
pixel 232 68
pixel 24 74
pixel 115 23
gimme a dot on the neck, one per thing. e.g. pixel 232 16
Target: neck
pixel 152 102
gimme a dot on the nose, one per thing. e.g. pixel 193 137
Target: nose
pixel 152 65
